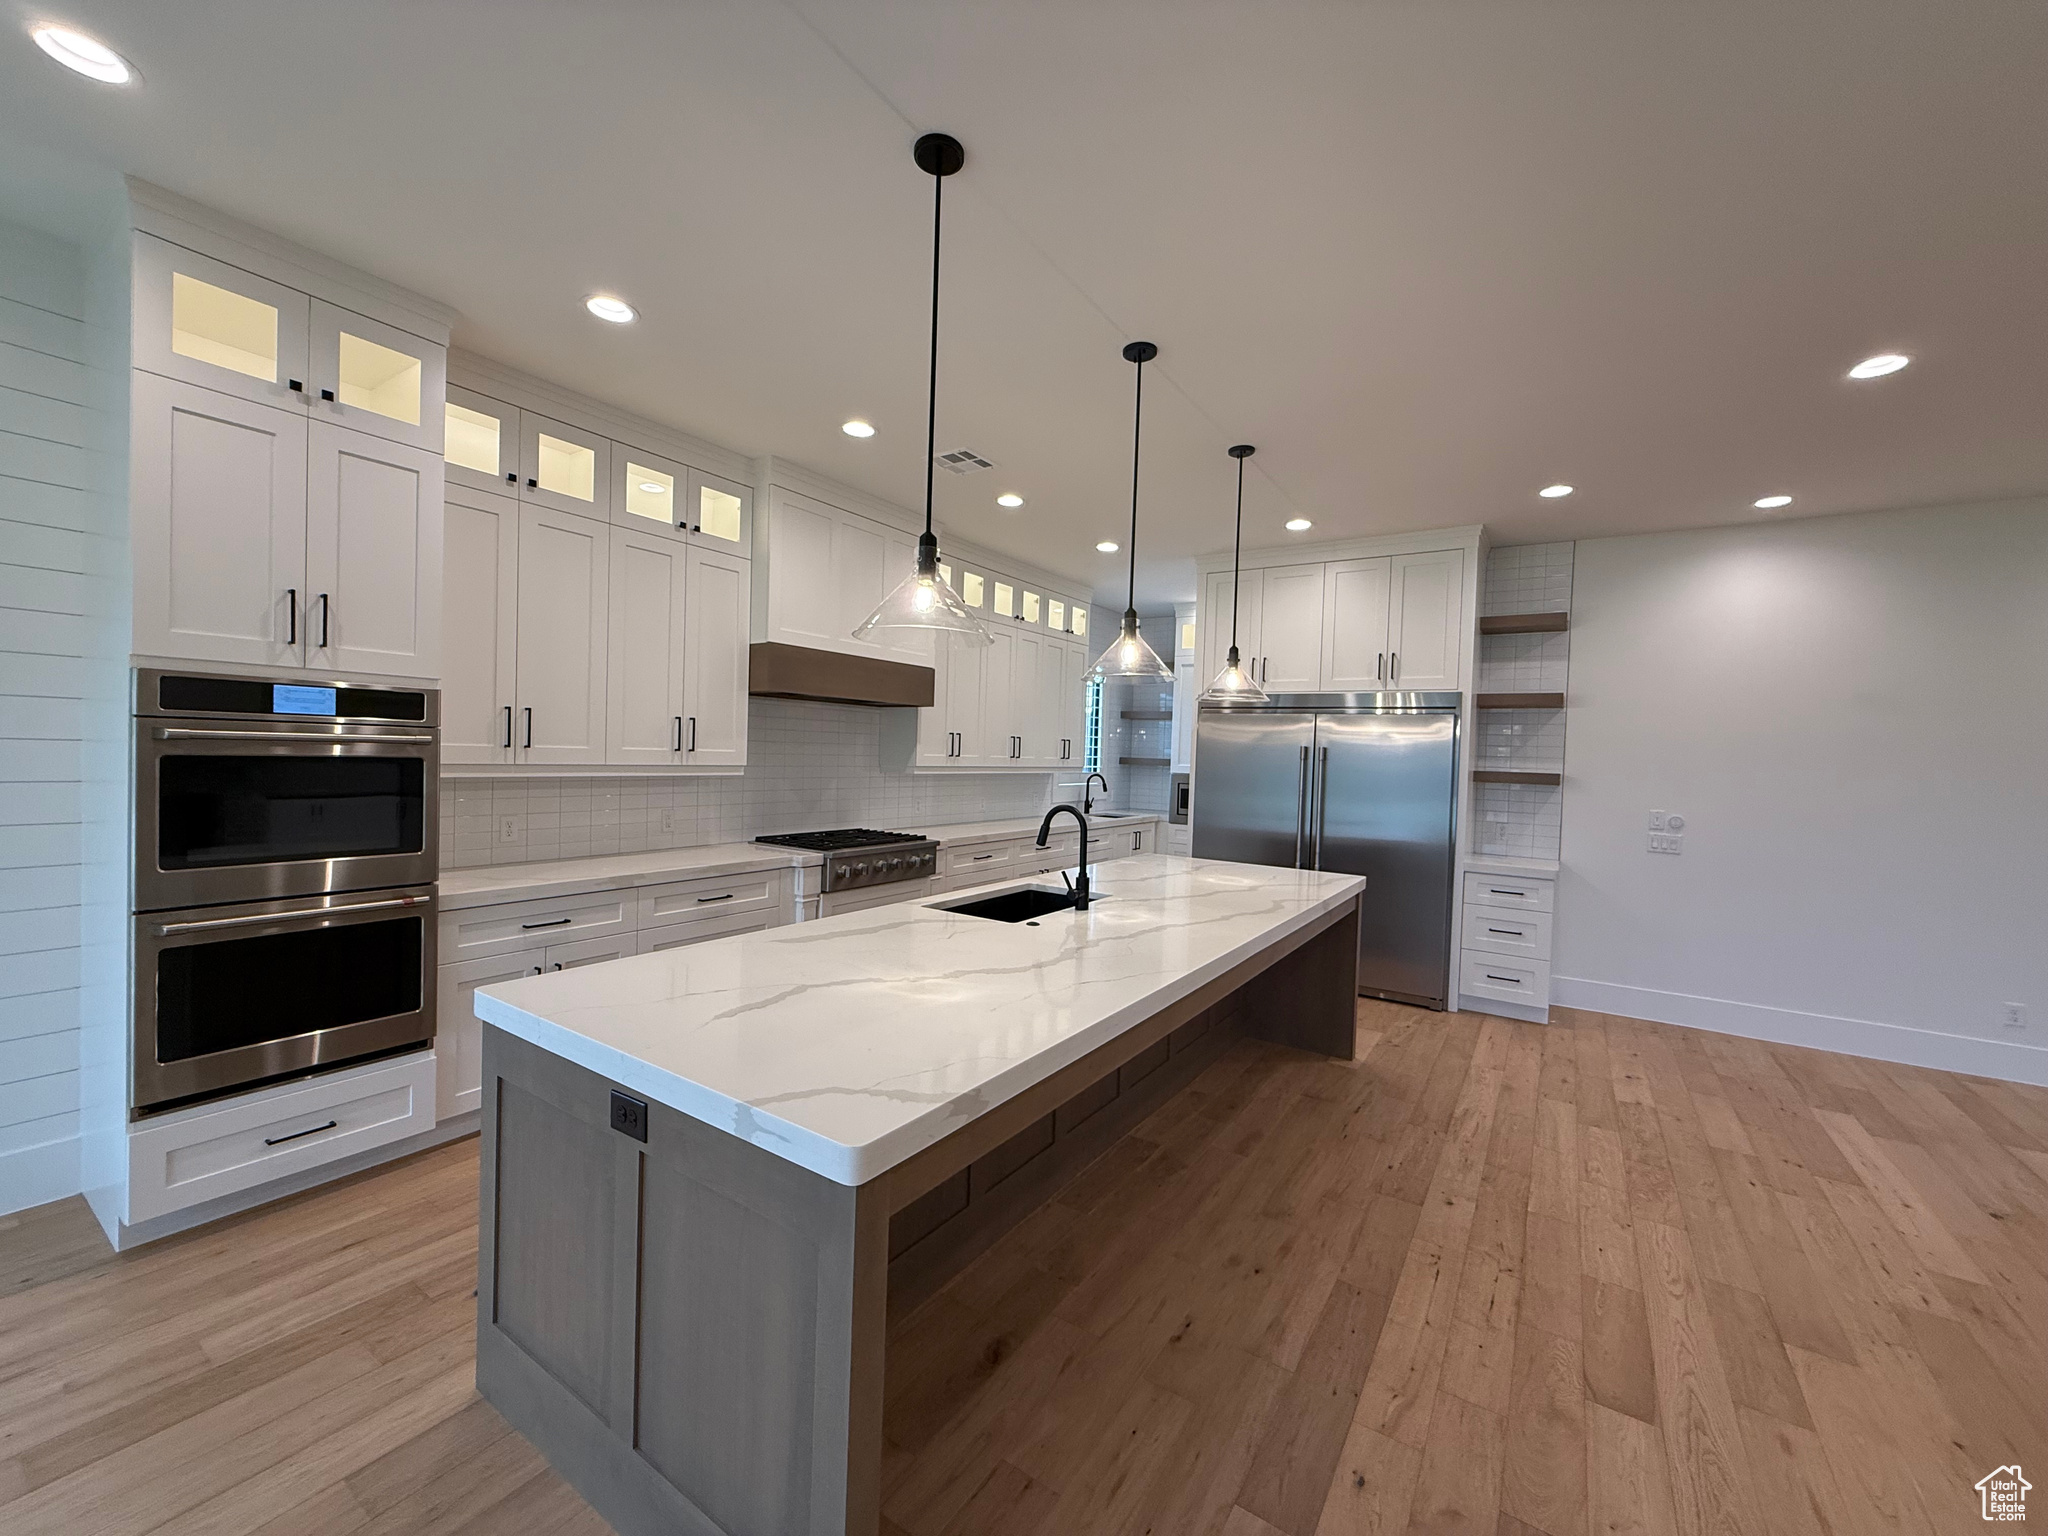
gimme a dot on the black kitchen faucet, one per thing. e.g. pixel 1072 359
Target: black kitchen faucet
pixel 1080 875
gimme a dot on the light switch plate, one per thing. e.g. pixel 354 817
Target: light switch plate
pixel 1656 821
pixel 1666 842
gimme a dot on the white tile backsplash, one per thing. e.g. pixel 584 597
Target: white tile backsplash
pixel 811 766
pixel 1522 820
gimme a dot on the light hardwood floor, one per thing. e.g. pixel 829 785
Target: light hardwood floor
pixel 1600 1278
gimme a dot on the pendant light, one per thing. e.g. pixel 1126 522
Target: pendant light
pixel 923 600
pixel 1234 685
pixel 1128 655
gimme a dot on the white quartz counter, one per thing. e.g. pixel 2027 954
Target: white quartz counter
pixel 850 1044
pixel 997 831
pixel 489 885
pixel 1503 864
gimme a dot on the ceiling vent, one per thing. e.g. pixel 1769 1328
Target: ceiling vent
pixel 962 461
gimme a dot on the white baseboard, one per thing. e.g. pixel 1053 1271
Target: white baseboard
pixel 37 1175
pixel 1822 1032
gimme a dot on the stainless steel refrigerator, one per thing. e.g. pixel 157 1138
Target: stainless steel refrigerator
pixel 1363 783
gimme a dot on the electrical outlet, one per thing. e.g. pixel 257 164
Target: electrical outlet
pixel 508 829
pixel 2013 1015
pixel 1493 833
pixel 1656 821
pixel 668 821
pixel 1666 842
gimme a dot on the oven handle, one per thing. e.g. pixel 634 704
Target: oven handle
pixel 186 733
pixel 165 930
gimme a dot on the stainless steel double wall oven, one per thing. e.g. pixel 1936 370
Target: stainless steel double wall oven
pixel 285 843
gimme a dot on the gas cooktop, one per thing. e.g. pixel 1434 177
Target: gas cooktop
pixel 843 838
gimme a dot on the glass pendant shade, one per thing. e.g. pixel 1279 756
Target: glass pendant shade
pixel 1233 685
pixel 1129 656
pixel 923 601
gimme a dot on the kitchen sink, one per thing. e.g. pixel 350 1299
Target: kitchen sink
pixel 1016 906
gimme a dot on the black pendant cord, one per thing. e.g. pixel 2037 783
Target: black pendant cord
pixel 1237 556
pixel 1137 427
pixel 931 413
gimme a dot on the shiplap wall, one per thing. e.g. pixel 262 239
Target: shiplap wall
pixel 47 511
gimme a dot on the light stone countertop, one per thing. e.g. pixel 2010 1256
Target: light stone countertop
pixel 490 884
pixel 1502 864
pixel 848 1045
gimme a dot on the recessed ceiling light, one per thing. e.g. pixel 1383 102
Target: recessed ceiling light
pixel 1770 503
pixel 1877 367
pixel 1299 525
pixel 88 55
pixel 1010 499
pixel 605 307
pixel 1107 547
pixel 652 488
pixel 1555 491
pixel 857 428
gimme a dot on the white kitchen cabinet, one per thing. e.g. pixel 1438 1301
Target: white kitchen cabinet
pixel 647 630
pixel 480 442
pixel 828 569
pixel 212 324
pixel 1355 598
pixel 1069 703
pixel 1034 690
pixel 681 935
pixel 218 499
pixel 564 571
pixel 479 626
pixel 373 554
pixel 375 378
pixel 721 513
pixel 714 658
pixel 581 952
pixel 564 468
pixel 1215 608
pixel 997 746
pixel 1426 620
pixel 458 1033
pixel 649 494
pixel 1290 628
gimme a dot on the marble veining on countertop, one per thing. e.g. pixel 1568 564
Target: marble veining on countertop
pixel 490 884
pixel 850 1044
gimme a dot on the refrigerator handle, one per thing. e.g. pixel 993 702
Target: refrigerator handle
pixel 1322 793
pixel 1301 803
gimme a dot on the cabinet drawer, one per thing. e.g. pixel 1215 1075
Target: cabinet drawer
pixel 676 935
pixel 1513 981
pixel 221 1150
pixel 1508 891
pixel 499 930
pixel 995 858
pixel 1508 931
pixel 761 891
pixel 568 957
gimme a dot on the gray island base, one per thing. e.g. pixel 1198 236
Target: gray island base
pixel 691 1325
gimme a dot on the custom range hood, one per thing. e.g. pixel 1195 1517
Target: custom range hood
pixel 779 671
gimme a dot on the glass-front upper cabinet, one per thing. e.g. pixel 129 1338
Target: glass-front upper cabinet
pixel 211 324
pixel 1004 604
pixel 376 378
pixel 1055 615
pixel 1029 606
pixel 721 513
pixel 649 493
pixel 564 467
pixel 480 441
pixel 1079 617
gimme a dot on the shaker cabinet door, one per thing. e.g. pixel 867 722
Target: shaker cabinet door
pixel 564 579
pixel 1291 628
pixel 480 441
pixel 479 605
pixel 645 652
pixel 715 659
pixel 1426 620
pixel 375 378
pixel 373 555
pixel 564 468
pixel 218 499
pixel 1355 596
pixel 214 325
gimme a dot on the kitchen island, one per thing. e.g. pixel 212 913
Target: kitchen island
pixel 704 1169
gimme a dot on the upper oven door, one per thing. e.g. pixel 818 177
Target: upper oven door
pixel 252 810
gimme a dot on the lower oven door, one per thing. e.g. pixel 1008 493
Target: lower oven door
pixel 230 997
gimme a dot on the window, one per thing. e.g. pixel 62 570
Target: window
pixel 1092 746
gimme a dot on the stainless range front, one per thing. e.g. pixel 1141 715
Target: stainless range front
pixel 858 857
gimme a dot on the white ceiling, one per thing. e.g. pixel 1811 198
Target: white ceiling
pixel 1429 256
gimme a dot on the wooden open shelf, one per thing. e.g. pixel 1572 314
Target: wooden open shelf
pixel 1146 762
pixel 1524 623
pixel 1513 776
pixel 1520 700
pixel 1148 714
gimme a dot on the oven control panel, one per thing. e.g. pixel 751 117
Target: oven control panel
pixel 849 870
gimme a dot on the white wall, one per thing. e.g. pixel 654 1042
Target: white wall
pixel 46 513
pixel 1852 714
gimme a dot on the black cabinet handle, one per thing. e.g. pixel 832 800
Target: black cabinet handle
pixel 512 478
pixel 291 615
pixel 1512 933
pixel 508 727
pixel 327 395
pixel 529 729
pixel 693 733
pixel 323 621
pixel 1497 891
pixel 314 1130
pixel 679 734
pixel 728 896
pixel 553 922
pixel 295 386
pixel 532 484
pixel 1514 979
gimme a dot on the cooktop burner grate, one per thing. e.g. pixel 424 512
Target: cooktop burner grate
pixel 841 839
